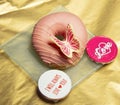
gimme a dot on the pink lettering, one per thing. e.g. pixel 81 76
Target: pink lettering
pixel 63 82
pixel 56 78
pixel 53 82
pixel 49 86
pixel 56 91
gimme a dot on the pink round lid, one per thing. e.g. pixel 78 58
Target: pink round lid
pixel 101 49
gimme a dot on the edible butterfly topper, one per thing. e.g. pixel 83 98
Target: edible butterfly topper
pixel 69 45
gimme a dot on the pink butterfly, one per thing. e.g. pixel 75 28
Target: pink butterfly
pixel 69 45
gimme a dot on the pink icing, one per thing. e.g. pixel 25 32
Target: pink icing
pixel 49 51
pixel 101 49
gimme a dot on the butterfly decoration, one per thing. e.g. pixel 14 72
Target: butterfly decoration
pixel 69 45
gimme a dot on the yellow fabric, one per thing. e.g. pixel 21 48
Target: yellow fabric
pixel 100 17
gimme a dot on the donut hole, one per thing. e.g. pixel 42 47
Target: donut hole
pixel 59 31
pixel 60 37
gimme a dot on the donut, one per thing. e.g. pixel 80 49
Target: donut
pixel 59 39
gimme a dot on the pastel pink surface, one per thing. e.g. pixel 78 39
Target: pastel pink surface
pixel 101 49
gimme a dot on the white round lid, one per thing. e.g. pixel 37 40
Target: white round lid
pixel 54 84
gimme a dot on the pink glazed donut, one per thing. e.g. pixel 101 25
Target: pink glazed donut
pixel 60 39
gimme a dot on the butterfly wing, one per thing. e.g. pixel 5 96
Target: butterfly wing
pixel 70 44
pixel 70 38
pixel 62 45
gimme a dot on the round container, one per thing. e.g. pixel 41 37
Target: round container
pixel 101 49
pixel 54 85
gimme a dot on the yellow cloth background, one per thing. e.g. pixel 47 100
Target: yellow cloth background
pixel 100 17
